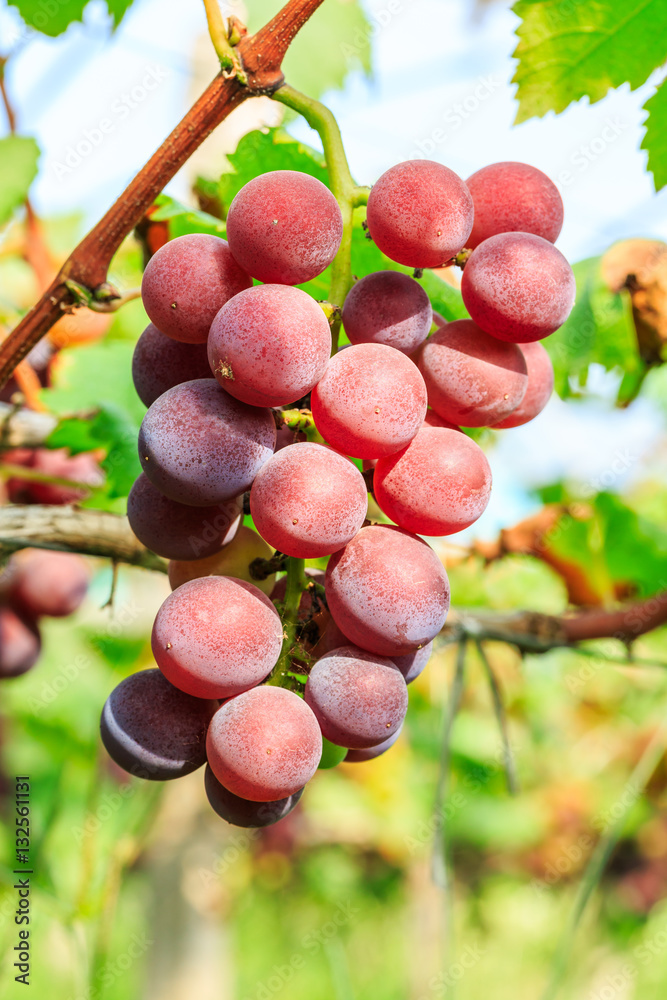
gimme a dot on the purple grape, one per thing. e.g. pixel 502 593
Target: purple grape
pixel 20 643
pixel 388 307
pixel 159 363
pixel 370 753
pixel 153 730
pixel 243 812
pixel 200 446
pixel 412 664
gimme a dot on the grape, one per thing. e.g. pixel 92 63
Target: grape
pixel 359 698
pixel 200 446
pixel 514 198
pixel 216 636
pixel 265 744
pixel 20 643
pixel 370 753
pixel 433 419
pixel 279 592
pixel 56 462
pixel 232 560
pixel 159 363
pixel 286 436
pixel 370 401
pixel 388 307
pixel 48 583
pixel 187 281
pixel 284 227
pixel 439 484
pixel 153 730
pixel 243 812
pixel 540 386
pixel 269 345
pixel 472 378
pixel 387 590
pixel 177 530
pixel 420 213
pixel 412 664
pixel 518 287
pixel 439 320
pixel 308 501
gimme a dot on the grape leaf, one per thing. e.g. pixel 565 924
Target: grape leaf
pixel 112 430
pixel 183 219
pixel 599 329
pixel 655 138
pixel 18 169
pixel 260 152
pixel 53 17
pixel 569 50
pixel 339 34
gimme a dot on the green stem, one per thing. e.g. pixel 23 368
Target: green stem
pixel 501 716
pixel 217 29
pixel 296 584
pixel 346 192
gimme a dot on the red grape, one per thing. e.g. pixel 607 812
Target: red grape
pixel 359 698
pixel 20 643
pixel 540 386
pixel 472 378
pixel 269 345
pixel 159 363
pixel 387 590
pixel 370 402
pixel 56 462
pixel 433 419
pixel 439 320
pixel 284 227
pixel 265 744
pixel 200 446
pixel 243 812
pixel 177 530
pixel 232 560
pixel 439 484
pixel 308 501
pixel 187 281
pixel 514 197
pixel 48 583
pixel 518 287
pixel 216 636
pixel 388 307
pixel 412 664
pixel 370 753
pixel 420 213
pixel 153 730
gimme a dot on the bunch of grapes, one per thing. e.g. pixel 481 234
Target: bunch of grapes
pixel 232 345
pixel 35 583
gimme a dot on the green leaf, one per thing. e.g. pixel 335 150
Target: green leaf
pixel 18 169
pixel 569 50
pixel 88 378
pixel 53 17
pixel 184 220
pixel 260 152
pixel 599 329
pixel 334 41
pixel 655 139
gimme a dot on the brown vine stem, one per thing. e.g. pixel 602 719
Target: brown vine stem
pixel 261 56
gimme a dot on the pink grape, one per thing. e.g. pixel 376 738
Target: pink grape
pixel 518 287
pixel 185 283
pixel 540 386
pixel 439 484
pixel 264 744
pixel 20 642
pixel 153 730
pixel 370 753
pixel 177 530
pixel 514 197
pixel 48 583
pixel 308 501
pixel 284 227
pixel 359 698
pixel 269 345
pixel 233 559
pixel 200 446
pixel 216 636
pixel 242 812
pixel 56 462
pixel 471 378
pixel 370 402
pixel 433 419
pixel 159 363
pixel 412 664
pixel 387 591
pixel 388 307
pixel 420 213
